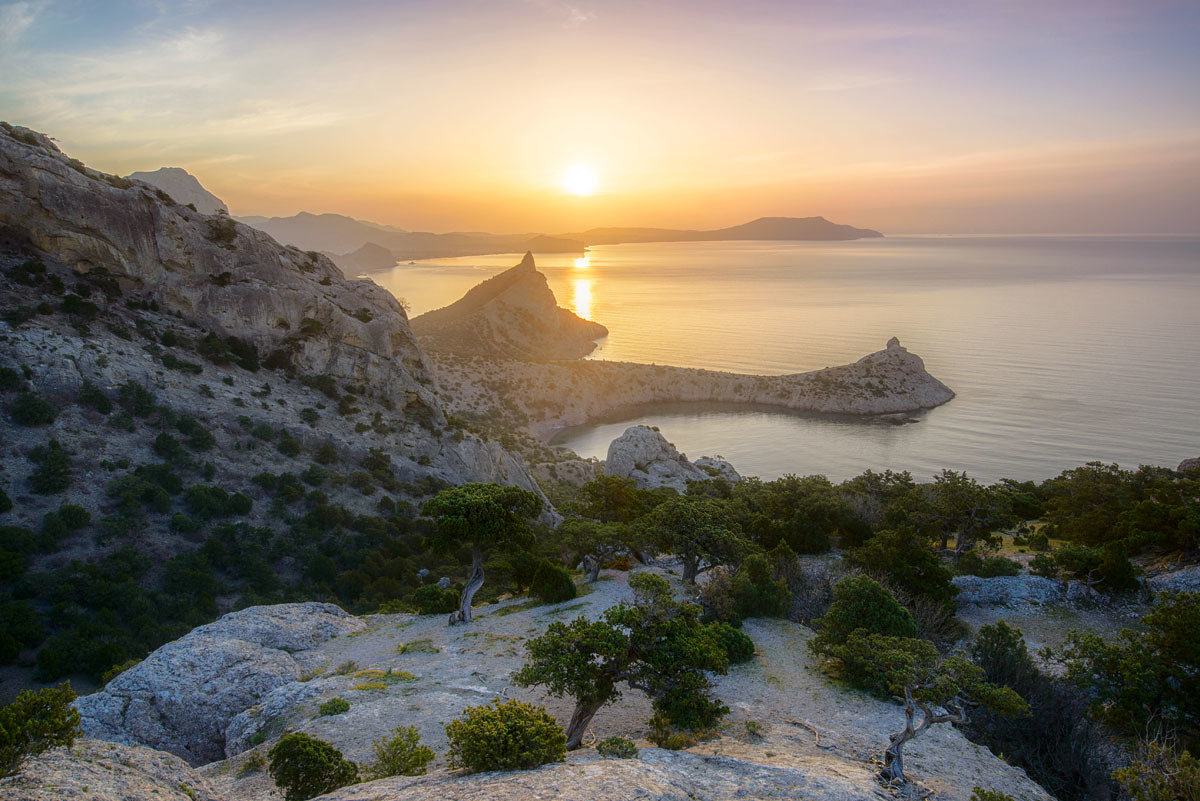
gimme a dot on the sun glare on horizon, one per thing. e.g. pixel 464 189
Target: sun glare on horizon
pixel 581 180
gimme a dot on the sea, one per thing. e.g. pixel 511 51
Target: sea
pixel 1062 349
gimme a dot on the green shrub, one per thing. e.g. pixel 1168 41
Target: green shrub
pixel 617 748
pixel 432 599
pixel 30 410
pixel 288 446
pixel 737 645
pixel 1161 773
pixel 972 564
pixel 861 607
pixel 980 794
pixel 10 380
pixel 306 767
pixel 1043 565
pixel 74 517
pixel 334 706
pixel 665 736
pixel 135 399
pixel 35 722
pixel 755 592
pixel 53 472
pixel 552 583
pixel 1038 542
pixel 400 755
pixel 91 396
pixel 505 736
pixel 5 502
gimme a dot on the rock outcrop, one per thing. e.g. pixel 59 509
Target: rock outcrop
pixel 644 454
pixel 511 315
pixel 1010 591
pixel 1185 579
pixel 182 697
pixel 94 770
pixel 1187 465
pixel 183 187
pixel 228 277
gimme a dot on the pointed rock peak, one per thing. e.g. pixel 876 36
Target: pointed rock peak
pixel 893 343
pixel 527 262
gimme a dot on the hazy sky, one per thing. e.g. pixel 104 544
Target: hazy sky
pixel 1004 116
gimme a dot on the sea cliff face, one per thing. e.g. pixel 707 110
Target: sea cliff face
pixel 512 315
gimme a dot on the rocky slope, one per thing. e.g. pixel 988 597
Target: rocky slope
pixel 183 187
pixel 810 740
pixel 511 315
pixel 543 398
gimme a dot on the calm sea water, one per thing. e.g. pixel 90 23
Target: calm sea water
pixel 1062 350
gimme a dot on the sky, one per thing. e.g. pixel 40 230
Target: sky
pixel 1010 116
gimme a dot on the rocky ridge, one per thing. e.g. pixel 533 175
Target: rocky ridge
pixel 552 396
pixel 510 315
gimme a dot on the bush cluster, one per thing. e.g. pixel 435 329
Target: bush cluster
pixel 508 735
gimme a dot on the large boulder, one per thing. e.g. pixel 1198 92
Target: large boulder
pixel 182 697
pixel 1011 591
pixel 1188 465
pixel 644 454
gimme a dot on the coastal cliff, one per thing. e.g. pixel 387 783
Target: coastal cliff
pixel 512 315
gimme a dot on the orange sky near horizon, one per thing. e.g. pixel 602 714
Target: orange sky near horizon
pixel 464 114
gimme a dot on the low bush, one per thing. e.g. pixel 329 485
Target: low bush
pixel 432 599
pixel 665 736
pixel 756 593
pixel 861 607
pixel 53 472
pixel 400 755
pixel 91 396
pixel 972 564
pixel 736 644
pixel 334 706
pixel 552 583
pixel 617 748
pixel 30 410
pixel 35 722
pixel 511 735
pixel 306 767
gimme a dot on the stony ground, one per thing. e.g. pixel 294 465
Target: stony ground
pixel 812 739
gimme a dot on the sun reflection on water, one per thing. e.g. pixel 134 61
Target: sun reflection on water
pixel 582 263
pixel 582 300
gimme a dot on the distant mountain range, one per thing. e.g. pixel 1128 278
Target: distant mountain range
pixel 765 228
pixel 361 246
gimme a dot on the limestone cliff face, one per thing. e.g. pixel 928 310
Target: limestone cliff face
pixel 183 188
pixel 511 315
pixel 226 276
pixel 644 454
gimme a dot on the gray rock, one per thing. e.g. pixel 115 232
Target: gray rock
pixel 1080 593
pixel 444 582
pixel 1187 465
pixel 1185 579
pixel 182 697
pixel 1008 590
pixel 94 770
pixel 717 465
pixel 643 454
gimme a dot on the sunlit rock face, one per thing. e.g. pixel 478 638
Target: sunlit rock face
pixel 226 276
pixel 511 315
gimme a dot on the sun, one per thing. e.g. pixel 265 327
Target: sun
pixel 580 179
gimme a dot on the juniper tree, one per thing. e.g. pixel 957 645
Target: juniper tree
pixel 699 531
pixel 656 645
pixel 481 516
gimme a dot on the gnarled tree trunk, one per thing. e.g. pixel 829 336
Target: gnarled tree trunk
pixel 893 755
pixel 474 582
pixel 581 718
pixel 592 564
